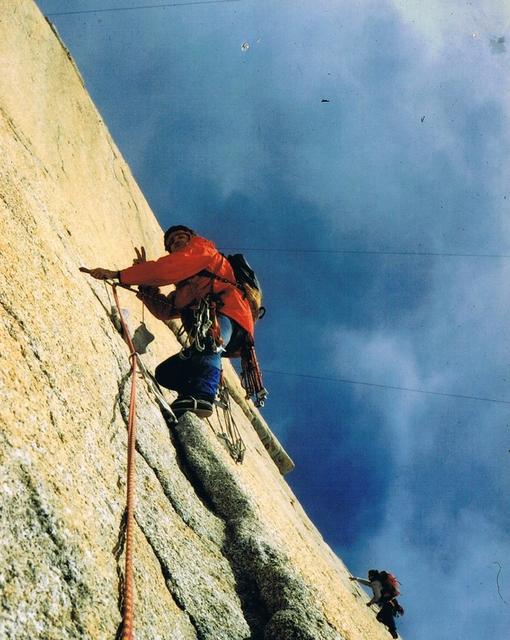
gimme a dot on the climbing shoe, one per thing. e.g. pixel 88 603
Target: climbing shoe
pixel 201 408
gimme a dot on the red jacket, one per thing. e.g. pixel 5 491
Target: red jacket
pixel 180 268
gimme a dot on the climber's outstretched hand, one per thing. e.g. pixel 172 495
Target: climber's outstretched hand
pixel 99 273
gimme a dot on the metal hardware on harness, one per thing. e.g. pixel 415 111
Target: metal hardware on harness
pixel 202 322
pixel 251 377
pixel 199 335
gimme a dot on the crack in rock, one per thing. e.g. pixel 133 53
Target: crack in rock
pixel 170 584
pixel 118 403
pixel 287 609
pixel 196 573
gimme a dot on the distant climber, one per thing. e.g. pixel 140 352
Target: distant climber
pixel 385 590
pixel 214 311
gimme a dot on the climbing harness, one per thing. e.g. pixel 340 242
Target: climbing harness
pixel 229 434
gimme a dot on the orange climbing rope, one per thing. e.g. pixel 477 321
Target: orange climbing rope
pixel 128 595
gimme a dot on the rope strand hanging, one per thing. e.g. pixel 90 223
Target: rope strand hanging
pixel 229 434
pixel 128 594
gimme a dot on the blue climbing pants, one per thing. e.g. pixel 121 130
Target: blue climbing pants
pixel 197 375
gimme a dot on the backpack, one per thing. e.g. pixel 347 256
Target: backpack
pixel 390 585
pixel 247 281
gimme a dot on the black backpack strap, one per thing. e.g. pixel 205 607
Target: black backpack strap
pixel 209 274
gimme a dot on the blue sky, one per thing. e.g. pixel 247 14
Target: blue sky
pixel 410 154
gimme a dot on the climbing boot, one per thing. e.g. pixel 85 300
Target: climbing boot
pixel 201 408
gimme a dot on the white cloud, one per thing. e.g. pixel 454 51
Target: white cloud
pixel 443 22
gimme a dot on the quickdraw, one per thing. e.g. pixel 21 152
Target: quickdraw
pixel 203 332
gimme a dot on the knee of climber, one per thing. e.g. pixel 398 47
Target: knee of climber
pixel 169 374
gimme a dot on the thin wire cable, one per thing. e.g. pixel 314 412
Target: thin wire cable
pixel 387 386
pixel 139 7
pixel 369 252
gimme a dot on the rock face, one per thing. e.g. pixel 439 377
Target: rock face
pixel 222 550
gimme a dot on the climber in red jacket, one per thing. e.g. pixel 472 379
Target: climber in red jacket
pixel 213 310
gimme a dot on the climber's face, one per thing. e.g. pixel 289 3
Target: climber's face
pixel 177 240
